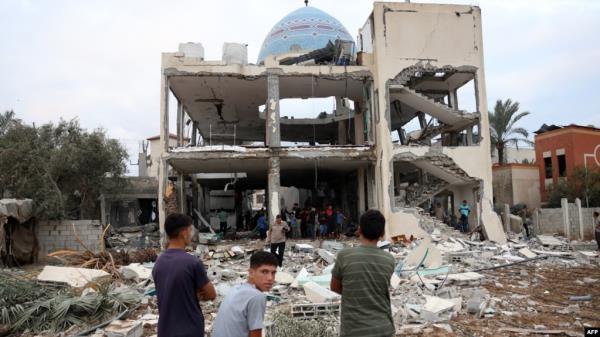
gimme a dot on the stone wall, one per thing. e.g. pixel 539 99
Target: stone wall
pixel 580 222
pixel 56 235
pixel 550 221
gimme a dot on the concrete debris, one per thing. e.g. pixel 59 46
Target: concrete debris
pixel 304 248
pixel 326 256
pixel 135 271
pixel 75 277
pixel 426 254
pixel 527 253
pixel 332 246
pixel 127 328
pixel 546 240
pixel 284 278
pixel 438 287
pixel 317 294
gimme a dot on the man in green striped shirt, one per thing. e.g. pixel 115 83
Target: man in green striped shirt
pixel 362 276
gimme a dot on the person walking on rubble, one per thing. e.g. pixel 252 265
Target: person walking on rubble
pixel 222 215
pixel 181 281
pixel 261 225
pixel 362 276
pixel 597 230
pixel 276 238
pixel 464 211
pixel 242 311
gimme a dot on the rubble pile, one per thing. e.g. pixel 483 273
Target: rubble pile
pixel 443 284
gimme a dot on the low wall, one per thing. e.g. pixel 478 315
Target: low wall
pixel 570 220
pixel 56 235
pixel 550 221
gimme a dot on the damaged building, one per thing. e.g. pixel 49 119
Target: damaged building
pixel 397 138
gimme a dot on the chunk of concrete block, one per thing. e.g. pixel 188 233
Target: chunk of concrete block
pixel 475 305
pixel 464 277
pixel 135 271
pixel 304 247
pixel 425 254
pixel 127 328
pixel 437 305
pixel 527 253
pixel 283 278
pixel 75 277
pixel 429 316
pixel 317 294
pixel 326 256
pixel 395 281
pixel 301 275
pixel 332 246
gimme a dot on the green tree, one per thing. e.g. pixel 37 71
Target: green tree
pixel 579 184
pixel 62 167
pixel 503 127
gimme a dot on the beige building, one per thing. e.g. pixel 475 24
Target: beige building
pixel 517 184
pixel 397 139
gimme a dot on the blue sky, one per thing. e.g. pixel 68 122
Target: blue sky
pixel 99 61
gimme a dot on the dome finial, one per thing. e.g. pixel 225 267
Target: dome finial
pixel 306 3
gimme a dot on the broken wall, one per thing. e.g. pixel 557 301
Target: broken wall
pixel 406 34
pixel 56 235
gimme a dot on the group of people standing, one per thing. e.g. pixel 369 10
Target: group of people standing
pixel 361 275
pixel 307 222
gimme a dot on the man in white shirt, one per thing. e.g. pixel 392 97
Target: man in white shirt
pixel 242 311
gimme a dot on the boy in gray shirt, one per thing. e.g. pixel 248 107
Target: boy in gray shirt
pixel 242 311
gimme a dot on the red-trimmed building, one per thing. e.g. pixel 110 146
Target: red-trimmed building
pixel 559 150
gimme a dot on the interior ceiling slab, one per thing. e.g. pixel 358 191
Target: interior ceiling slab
pixel 294 172
pixel 239 99
pixel 447 83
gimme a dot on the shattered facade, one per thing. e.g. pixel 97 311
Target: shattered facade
pixel 411 62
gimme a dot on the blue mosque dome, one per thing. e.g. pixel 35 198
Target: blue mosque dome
pixel 304 29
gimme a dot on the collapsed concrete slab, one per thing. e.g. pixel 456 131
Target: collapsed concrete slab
pixel 75 277
pixel 317 294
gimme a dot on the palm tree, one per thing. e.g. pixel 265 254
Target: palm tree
pixel 503 129
pixel 7 119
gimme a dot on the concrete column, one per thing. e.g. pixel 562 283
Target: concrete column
pixel 370 176
pixel 506 218
pixel 359 126
pixel 179 123
pixel 194 133
pixel 181 195
pixel 453 99
pixel 535 218
pixel 580 218
pixel 163 174
pixel 273 189
pixel 272 133
pixel 103 219
pixel 470 135
pixel 564 203
pixel 360 174
pixel 342 138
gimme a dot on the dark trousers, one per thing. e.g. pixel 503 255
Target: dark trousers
pixel 223 227
pixel 598 239
pixel 263 233
pixel 464 223
pixel 526 226
pixel 277 249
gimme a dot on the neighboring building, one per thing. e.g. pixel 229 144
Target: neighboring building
pixel 559 150
pixel 517 184
pixel 522 155
pixel 155 151
pixel 412 60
